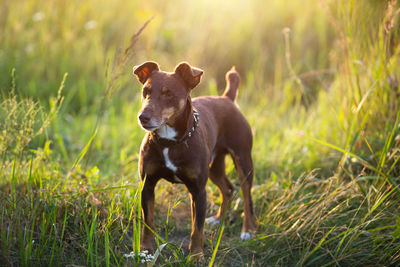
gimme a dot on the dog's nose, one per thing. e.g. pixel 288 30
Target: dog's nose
pixel 144 117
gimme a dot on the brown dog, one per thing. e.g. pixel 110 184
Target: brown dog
pixel 186 142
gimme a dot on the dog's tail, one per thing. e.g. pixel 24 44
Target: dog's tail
pixel 232 83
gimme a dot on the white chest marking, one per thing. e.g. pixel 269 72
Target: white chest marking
pixel 168 162
pixel 166 132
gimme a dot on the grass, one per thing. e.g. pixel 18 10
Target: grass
pixel 319 88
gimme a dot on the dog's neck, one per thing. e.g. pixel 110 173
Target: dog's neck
pixel 181 125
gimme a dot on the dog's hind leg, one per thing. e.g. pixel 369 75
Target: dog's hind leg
pixel 244 167
pixel 218 177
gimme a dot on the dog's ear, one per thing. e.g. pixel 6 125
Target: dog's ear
pixel 143 71
pixel 190 75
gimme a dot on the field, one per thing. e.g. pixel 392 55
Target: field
pixel 319 87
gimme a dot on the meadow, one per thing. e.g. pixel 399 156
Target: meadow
pixel 319 87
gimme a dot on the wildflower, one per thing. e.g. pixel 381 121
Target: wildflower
pixel 29 48
pixel 130 255
pixel 144 256
pixel 91 24
pixel 38 16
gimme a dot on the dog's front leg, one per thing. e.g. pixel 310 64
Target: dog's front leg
pixel 148 214
pixel 198 209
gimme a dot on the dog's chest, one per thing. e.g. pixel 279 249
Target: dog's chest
pixel 167 161
pixel 170 165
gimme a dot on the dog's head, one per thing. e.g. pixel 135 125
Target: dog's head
pixel 164 94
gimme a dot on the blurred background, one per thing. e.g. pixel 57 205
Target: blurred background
pixel 283 51
pixel 319 88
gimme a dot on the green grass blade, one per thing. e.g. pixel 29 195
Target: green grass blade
pixel 219 235
pixel 366 164
pixel 318 245
pixel 107 248
pixel 85 149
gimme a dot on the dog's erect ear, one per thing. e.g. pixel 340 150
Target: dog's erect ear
pixel 143 71
pixel 190 75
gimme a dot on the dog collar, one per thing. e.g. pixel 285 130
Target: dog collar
pixel 168 143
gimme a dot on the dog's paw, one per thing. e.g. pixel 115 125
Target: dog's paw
pixel 212 221
pixel 246 236
pixel 197 257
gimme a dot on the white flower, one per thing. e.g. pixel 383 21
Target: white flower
pixel 38 16
pixel 130 255
pixel 29 48
pixel 144 256
pixel 91 24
